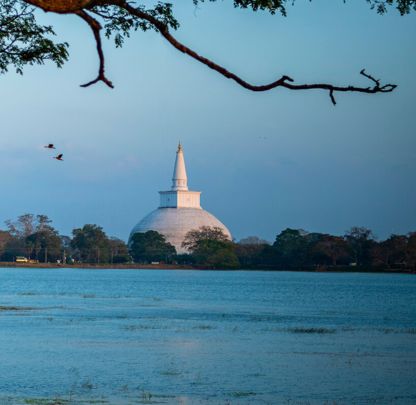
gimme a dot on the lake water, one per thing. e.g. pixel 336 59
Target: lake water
pixel 72 336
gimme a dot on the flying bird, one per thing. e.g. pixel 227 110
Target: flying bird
pixel 50 146
pixel 59 157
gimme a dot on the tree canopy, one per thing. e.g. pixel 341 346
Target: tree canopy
pixel 23 41
pixel 196 236
pixel 150 246
pixel 211 247
pixel 91 244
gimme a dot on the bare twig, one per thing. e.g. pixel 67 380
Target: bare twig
pixel 332 97
pixel 96 27
pixel 377 82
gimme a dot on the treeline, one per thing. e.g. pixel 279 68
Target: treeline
pixel 358 248
pixel 293 249
pixel 34 237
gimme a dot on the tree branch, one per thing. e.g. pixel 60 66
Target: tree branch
pixel 283 81
pixel 96 27
pixel 161 25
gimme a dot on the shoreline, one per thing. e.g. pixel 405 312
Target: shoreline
pixel 88 266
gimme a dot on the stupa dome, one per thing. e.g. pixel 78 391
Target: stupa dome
pixel 180 210
pixel 175 223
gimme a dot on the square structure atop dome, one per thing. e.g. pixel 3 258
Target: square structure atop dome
pixel 180 199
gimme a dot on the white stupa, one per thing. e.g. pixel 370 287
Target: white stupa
pixel 180 210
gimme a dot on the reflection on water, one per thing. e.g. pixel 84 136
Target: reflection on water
pixel 130 337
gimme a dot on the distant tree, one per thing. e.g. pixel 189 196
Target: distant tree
pixel 5 239
pixel 15 247
pixel 250 251
pixel 361 241
pixel 45 245
pixel 392 251
pixel 119 251
pixel 215 253
pixel 91 244
pixel 210 247
pixel 33 236
pixel 411 250
pixel 253 240
pixel 23 41
pixel 150 246
pixel 27 224
pixel 332 249
pixel 291 246
pixel 194 237
pixel 24 226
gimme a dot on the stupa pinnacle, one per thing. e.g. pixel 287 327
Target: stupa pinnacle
pixel 179 179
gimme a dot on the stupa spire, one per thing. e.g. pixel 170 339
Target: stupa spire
pixel 179 179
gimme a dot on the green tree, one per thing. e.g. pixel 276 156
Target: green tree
pixel 411 250
pixel 24 226
pixel 33 236
pixel 210 247
pixel 119 18
pixel 13 248
pixel 119 251
pixel 250 251
pixel 332 249
pixel 23 41
pixel 253 240
pixel 217 254
pixel 361 241
pixel 194 237
pixel 91 244
pixel 45 244
pixel 291 246
pixel 5 240
pixel 150 246
pixel 392 251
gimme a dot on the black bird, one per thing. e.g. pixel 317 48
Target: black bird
pixel 59 157
pixel 50 146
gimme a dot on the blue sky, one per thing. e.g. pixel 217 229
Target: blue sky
pixel 263 161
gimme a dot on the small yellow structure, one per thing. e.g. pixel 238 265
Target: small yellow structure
pixel 21 259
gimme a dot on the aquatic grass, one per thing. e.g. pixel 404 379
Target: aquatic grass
pixel 132 328
pixel 204 327
pixel 149 398
pixel 45 401
pixel 14 308
pixel 242 394
pixel 318 331
pixel 410 331
pixel 61 401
